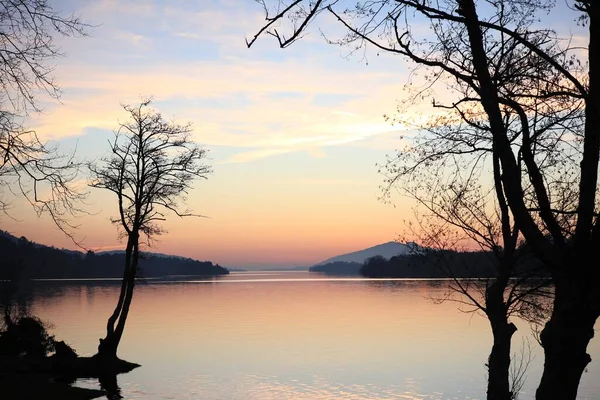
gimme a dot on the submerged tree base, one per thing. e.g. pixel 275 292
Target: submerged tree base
pixel 33 386
pixel 50 377
pixel 92 367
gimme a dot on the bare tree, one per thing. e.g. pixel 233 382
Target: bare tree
pixel 26 48
pixel 566 244
pixel 46 178
pixel 28 166
pixel 549 169
pixel 518 367
pixel 452 172
pixel 459 205
pixel 151 168
pixel 513 285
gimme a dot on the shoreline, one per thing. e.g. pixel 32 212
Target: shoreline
pixel 37 386
pixel 48 378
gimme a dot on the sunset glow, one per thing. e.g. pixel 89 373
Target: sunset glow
pixel 293 136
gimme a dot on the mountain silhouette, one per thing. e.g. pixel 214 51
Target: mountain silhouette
pixel 386 250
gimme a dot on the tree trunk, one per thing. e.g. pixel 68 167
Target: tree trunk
pixel 565 339
pixel 577 300
pixel 499 361
pixel 109 345
pixel 502 331
pixel 128 297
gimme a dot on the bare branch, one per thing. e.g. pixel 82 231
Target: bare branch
pixel 152 166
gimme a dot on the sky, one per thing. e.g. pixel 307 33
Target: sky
pixel 294 135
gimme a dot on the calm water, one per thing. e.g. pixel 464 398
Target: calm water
pixel 289 335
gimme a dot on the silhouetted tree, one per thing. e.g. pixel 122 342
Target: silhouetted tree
pixel 549 167
pixel 35 169
pixel 453 174
pixel 511 285
pixel 151 168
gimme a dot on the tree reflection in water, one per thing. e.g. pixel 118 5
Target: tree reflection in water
pixel 109 384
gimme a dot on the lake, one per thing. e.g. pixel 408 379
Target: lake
pixel 289 335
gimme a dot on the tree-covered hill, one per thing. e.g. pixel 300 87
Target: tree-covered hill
pixel 445 264
pixel 28 260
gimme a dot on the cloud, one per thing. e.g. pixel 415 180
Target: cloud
pixel 316 153
pixel 92 98
pixel 254 155
pixel 233 96
pixel 188 35
pixel 326 182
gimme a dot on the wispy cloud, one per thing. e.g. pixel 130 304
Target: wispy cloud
pixel 326 182
pixel 234 96
pixel 255 155
pixel 199 92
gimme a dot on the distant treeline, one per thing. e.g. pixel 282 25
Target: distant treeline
pixel 27 260
pixel 338 268
pixel 431 264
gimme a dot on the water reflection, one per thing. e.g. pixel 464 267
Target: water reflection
pixel 286 336
pixel 109 384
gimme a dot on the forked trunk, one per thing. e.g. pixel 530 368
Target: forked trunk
pixel 116 323
pixel 108 347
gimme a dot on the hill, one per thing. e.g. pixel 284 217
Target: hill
pixel 337 268
pixel 350 263
pixel 28 260
pixel 448 263
pixel 386 250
